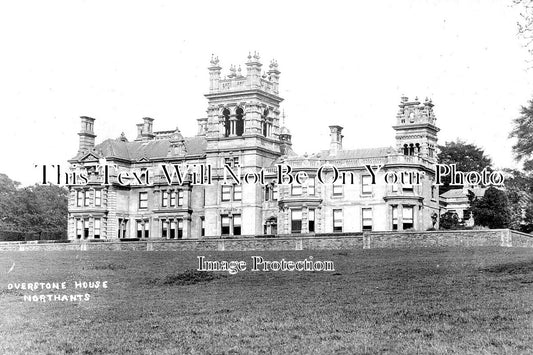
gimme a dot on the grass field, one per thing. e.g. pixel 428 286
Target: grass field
pixel 477 300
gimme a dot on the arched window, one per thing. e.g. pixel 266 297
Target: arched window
pixel 411 149
pixel 226 113
pixel 239 114
pixel 265 123
pixel 417 148
pixel 405 149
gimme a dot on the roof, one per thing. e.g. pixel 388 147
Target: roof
pixel 357 153
pixel 459 193
pixel 149 149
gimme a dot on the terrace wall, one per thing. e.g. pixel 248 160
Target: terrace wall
pixel 371 240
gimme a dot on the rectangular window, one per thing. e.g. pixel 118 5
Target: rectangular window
pixel 407 188
pixel 296 189
pixel 180 228
pixel 237 192
pixel 337 220
pixel 394 218
pixel 79 228
pixel 173 199
pixel 366 181
pixel 235 161
pixel 225 225
pixel 337 188
pixel 97 197
pixel 86 198
pixel 311 220
pixel 139 230
pixel 407 217
pixel 147 229
pixel 86 229
pixel 164 229
pixel 268 191
pixel 367 218
pixel 172 230
pixel 311 186
pixel 143 199
pixel 79 198
pixel 237 224
pixel 226 192
pixel 164 199
pixel 275 193
pixel 97 228
pixel 202 222
pixel 296 221
pixel 180 197
pixel 228 161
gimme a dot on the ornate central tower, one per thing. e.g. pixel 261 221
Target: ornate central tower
pixel 242 130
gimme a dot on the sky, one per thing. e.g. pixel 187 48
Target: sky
pixel 341 62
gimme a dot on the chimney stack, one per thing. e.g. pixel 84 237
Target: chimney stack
pixel 86 134
pixel 336 139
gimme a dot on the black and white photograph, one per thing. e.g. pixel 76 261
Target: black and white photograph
pixel 282 177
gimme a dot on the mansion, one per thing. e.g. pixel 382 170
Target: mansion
pixel 244 129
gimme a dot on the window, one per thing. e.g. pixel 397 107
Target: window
pixel 366 181
pixel 147 229
pixel 79 198
pixel 268 191
pixel 86 198
pixel 311 186
pixel 226 192
pixel 367 218
pixel 227 122
pixel 296 189
pixel 237 224
pixel 180 228
pixel 337 220
pixel 164 229
pixel 296 221
pixel 407 188
pixel 237 192
pixel 180 197
pixel 275 193
pixel 433 192
pixel 202 224
pixel 97 197
pixel 86 229
pixel 164 199
pixel 143 199
pixel 407 217
pixel 337 188
pixel 394 218
pixel 79 228
pixel 173 199
pixel 97 228
pixel 311 220
pixel 225 225
pixel 122 224
pixel 172 230
pixel 239 124
pixel 139 230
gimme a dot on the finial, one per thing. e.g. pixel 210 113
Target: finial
pixel 249 56
pixel 239 70
pixel 214 60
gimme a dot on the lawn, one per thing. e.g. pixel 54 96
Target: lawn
pixel 477 300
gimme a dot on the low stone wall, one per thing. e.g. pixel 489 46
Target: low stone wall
pixel 370 240
pixel 519 239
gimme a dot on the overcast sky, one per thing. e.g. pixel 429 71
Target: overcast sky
pixel 341 62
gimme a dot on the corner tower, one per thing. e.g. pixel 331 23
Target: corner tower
pixel 416 132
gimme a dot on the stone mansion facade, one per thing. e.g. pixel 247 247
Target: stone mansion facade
pixel 244 129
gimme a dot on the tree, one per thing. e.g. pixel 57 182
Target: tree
pixel 492 210
pixel 523 132
pixel 449 220
pixel 519 190
pixel 32 209
pixel 467 157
